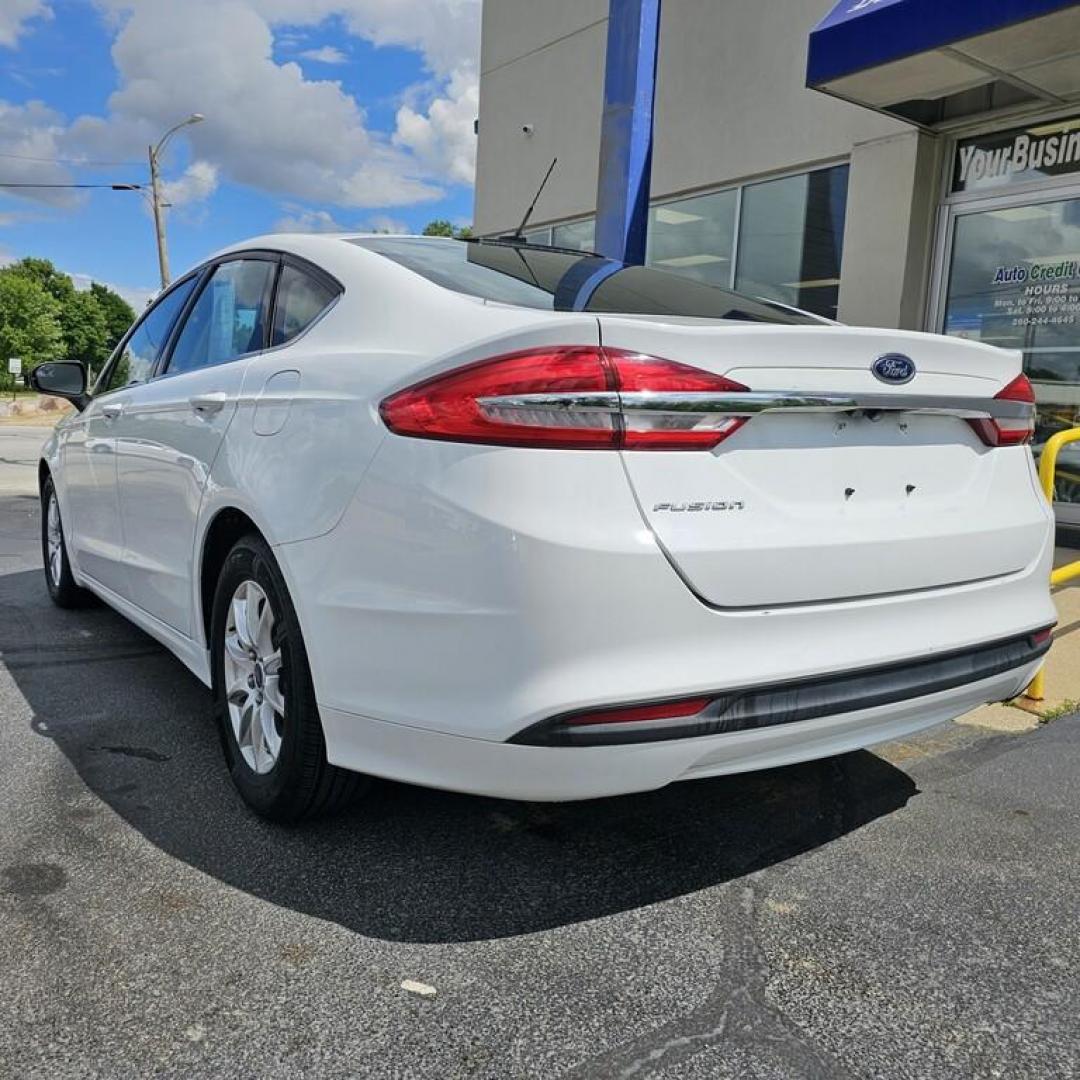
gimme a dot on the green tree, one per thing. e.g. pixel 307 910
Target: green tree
pixel 91 323
pixel 53 281
pixel 442 227
pixel 29 321
pixel 119 314
pixel 85 330
pixel 438 227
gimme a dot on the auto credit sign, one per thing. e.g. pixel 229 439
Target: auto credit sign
pixel 1018 156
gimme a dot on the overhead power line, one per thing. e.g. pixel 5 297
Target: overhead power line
pixel 75 161
pixel 114 187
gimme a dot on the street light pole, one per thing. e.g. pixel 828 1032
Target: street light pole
pixel 155 198
pixel 159 219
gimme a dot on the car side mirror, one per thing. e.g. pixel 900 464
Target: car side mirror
pixel 61 378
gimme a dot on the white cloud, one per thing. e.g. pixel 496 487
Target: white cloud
pixel 138 296
pixel 31 136
pixel 383 223
pixel 14 14
pixel 327 54
pixel 300 219
pixel 446 32
pixel 305 220
pixel 198 182
pixel 268 125
pixel 444 139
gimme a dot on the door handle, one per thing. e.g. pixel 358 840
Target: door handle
pixel 207 404
pixel 112 409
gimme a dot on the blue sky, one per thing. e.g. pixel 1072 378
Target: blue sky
pixel 322 114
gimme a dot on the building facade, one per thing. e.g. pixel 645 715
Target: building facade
pixel 964 222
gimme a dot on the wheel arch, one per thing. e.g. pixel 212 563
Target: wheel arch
pixel 227 526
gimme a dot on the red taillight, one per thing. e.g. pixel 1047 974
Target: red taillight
pixel 669 710
pixel 577 397
pixel 1009 432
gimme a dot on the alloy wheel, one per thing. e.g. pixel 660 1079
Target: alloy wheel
pixel 54 541
pixel 253 689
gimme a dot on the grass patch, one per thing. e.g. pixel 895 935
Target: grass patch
pixel 1063 708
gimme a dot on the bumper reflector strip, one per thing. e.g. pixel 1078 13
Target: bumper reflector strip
pixel 785 703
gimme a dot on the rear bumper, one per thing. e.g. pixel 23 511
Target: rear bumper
pixel 559 774
pixel 792 701
pixel 475 592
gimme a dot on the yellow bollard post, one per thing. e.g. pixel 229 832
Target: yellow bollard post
pixel 1036 691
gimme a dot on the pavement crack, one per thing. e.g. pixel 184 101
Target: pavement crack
pixel 738 1015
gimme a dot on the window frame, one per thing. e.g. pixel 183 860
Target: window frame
pixel 738 187
pixel 161 368
pixel 203 273
pixel 114 359
pixel 322 276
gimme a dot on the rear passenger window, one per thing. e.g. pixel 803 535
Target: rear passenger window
pixel 301 299
pixel 229 317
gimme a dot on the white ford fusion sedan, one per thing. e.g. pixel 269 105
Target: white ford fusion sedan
pixel 530 523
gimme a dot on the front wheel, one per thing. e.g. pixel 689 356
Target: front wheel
pixel 264 697
pixel 58 576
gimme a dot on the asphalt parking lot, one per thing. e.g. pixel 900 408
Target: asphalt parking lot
pixel 907 913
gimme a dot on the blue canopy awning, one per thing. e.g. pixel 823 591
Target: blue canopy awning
pixel 889 53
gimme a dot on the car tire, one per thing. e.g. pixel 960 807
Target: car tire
pixel 264 698
pixel 63 590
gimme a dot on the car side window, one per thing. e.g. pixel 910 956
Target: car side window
pixel 229 317
pixel 143 346
pixel 301 299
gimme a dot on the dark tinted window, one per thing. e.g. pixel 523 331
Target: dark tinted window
pixel 301 299
pixel 566 281
pixel 229 317
pixel 791 239
pixel 136 361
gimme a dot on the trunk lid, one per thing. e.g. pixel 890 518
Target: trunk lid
pixel 810 507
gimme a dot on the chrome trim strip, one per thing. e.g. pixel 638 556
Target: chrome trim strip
pixel 751 403
pixel 583 401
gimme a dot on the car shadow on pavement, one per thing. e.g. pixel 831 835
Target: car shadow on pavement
pixel 406 864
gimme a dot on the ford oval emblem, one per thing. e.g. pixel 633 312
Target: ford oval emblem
pixel 894 368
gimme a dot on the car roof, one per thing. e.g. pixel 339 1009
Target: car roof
pixel 302 243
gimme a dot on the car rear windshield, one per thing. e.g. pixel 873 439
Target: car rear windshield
pixel 556 280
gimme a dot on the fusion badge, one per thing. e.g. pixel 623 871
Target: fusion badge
pixel 697 507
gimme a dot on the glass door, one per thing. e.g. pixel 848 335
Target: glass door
pixel 1013 280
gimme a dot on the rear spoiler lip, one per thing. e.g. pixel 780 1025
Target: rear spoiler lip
pixel 755 402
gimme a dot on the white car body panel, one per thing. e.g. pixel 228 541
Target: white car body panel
pixel 83 458
pixel 452 595
pixel 543 774
pixel 167 439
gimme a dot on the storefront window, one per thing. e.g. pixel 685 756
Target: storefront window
pixel 578 235
pixel 1043 151
pixel 695 237
pixel 791 237
pixel 1015 283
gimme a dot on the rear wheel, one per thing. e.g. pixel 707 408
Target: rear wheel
pixel 264 697
pixel 58 576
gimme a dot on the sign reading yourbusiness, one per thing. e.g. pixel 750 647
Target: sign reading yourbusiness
pixel 1018 156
